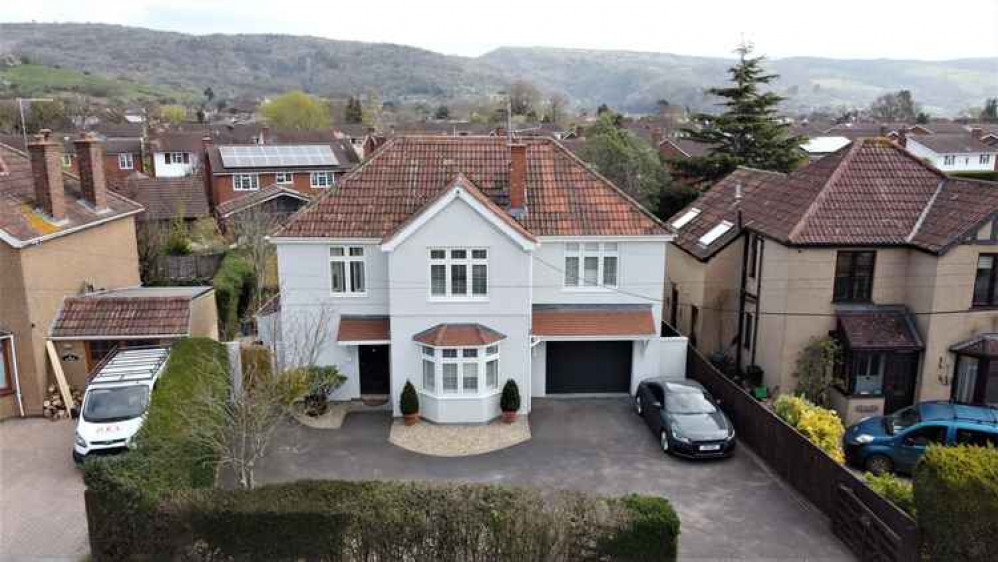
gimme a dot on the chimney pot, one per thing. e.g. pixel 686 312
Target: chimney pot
pixel 90 158
pixel 46 172
pixel 977 132
pixel 518 178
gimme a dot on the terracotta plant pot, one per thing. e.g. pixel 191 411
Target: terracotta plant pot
pixel 509 417
pixel 410 419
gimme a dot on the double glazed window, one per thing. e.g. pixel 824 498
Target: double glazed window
pixel 984 159
pixel 459 272
pixel 177 157
pixel 591 264
pixel 346 267
pixel 853 277
pixel 125 161
pixel 460 370
pixel 6 365
pixel 984 281
pixel 949 160
pixel 245 182
pixel 868 373
pixel 321 180
pixel 284 178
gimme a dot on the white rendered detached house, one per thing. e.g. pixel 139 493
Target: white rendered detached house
pixel 460 262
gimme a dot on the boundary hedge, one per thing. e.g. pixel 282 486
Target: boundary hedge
pixel 233 284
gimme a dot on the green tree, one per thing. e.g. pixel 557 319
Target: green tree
pixel 353 113
pixel 46 115
pixel 895 106
pixel 442 112
pixel 296 110
pixel 990 112
pixel 173 114
pixel 748 132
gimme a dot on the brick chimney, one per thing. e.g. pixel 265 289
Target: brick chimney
pixel 90 160
pixel 46 171
pixel 264 135
pixel 518 179
pixel 977 132
pixel 209 185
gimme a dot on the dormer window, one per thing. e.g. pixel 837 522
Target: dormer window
pixel 686 218
pixel 713 234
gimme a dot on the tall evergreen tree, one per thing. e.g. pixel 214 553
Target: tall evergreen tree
pixel 353 113
pixel 748 132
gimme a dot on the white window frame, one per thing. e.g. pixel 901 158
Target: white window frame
pixel 328 182
pixel 253 180
pixel 126 161
pixel 284 178
pixel 483 356
pixel 949 160
pixel 349 256
pixel 66 160
pixel 175 157
pixel 984 159
pixel 448 261
pixel 580 251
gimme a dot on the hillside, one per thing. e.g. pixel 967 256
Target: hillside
pixel 32 80
pixel 632 81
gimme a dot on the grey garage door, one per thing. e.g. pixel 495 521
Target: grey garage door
pixel 588 367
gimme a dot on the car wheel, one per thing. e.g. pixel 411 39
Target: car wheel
pixel 879 464
pixel 638 407
pixel 663 441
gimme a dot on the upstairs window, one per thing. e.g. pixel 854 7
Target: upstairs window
pixel 984 159
pixel 591 264
pixel 853 277
pixel 125 161
pixel 284 178
pixel 984 281
pixel 245 182
pixel 459 272
pixel 949 160
pixel 177 157
pixel 347 270
pixel 321 180
pixel 67 161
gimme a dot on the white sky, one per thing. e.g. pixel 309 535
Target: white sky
pixel 911 29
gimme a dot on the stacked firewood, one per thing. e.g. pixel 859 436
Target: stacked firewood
pixel 54 407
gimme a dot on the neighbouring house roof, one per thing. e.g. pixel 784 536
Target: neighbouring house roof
pixel 166 198
pixel 879 328
pixel 177 141
pixel 824 145
pixel 954 143
pixel 133 313
pixel 21 223
pixel 564 196
pixel 252 199
pixel 111 145
pixel 458 335
pixel 342 151
pixel 119 130
pixel 364 329
pixel 123 146
pixel 690 148
pixel 983 345
pixel 870 193
pixel 593 320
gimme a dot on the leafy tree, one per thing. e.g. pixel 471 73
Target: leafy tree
pixel 354 113
pixel 372 110
pixel 9 116
pixel 895 106
pixel 815 369
pixel 990 111
pixel 748 132
pixel 46 115
pixel 442 112
pixel 523 97
pixel 209 95
pixel 296 110
pixel 173 114
pixel 922 118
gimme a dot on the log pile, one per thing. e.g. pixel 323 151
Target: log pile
pixel 53 406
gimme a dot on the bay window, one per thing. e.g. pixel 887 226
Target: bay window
pixel 459 272
pixel 460 371
pixel 591 264
pixel 347 270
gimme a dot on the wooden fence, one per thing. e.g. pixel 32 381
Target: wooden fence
pixel 187 269
pixel 871 526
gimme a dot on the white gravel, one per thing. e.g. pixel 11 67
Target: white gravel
pixel 459 440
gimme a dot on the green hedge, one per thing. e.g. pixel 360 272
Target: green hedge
pixel 956 494
pixel 347 521
pixel 233 284
pixel 895 488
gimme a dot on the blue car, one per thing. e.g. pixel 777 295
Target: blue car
pixel 894 443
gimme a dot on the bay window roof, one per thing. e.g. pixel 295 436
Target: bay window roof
pixel 458 335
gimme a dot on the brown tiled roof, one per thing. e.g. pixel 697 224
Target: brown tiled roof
pixel 177 141
pixel 870 193
pixel 593 320
pixel 122 317
pixel 953 143
pixel 880 327
pixel 458 335
pixel 564 196
pixel 689 147
pixel 343 151
pixel 982 344
pixel 364 328
pixel 19 219
pixel 255 198
pixel 166 198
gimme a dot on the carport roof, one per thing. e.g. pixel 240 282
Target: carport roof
pixel 616 320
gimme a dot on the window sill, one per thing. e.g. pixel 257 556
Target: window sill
pixel 982 307
pixel 459 396
pixel 6 392
pixel 458 299
pixel 349 295
pixel 593 289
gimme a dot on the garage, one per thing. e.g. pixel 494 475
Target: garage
pixel 588 367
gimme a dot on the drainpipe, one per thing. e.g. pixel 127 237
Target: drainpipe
pixel 742 280
pixel 17 379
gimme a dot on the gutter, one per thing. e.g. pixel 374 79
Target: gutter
pixel 19 244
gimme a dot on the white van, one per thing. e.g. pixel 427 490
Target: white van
pixel 116 399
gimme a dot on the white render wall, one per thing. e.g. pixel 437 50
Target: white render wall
pixel 164 170
pixel 969 162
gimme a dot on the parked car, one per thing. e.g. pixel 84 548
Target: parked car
pixel 116 399
pixel 895 442
pixel 686 419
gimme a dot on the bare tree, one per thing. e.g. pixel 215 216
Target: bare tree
pixel 523 97
pixel 556 108
pixel 249 231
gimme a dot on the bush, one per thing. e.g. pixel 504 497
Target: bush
pixel 897 490
pixel 815 369
pixel 956 495
pixel 510 399
pixel 409 403
pixel 233 284
pixel 821 426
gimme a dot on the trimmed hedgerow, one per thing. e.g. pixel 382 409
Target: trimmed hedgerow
pixel 956 494
pixel 896 489
pixel 233 284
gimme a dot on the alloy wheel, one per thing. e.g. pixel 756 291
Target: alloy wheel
pixel 879 464
pixel 663 440
pixel 638 407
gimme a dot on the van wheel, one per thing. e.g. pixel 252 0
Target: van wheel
pixel 879 464
pixel 638 407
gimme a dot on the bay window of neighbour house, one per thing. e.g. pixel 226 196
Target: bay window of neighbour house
pixel 984 281
pixel 321 180
pixel 125 161
pixel 591 264
pixel 949 160
pixel 245 182
pixel 460 371
pixel 459 272
pixel 347 270
pixel 984 159
pixel 284 178
pixel 853 276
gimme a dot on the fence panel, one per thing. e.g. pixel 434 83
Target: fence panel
pixel 200 267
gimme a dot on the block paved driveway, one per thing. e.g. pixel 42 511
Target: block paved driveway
pixel 730 509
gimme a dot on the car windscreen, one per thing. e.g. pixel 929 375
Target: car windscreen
pixel 688 403
pixel 901 420
pixel 116 403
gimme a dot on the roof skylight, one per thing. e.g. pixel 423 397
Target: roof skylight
pixel 686 218
pixel 715 233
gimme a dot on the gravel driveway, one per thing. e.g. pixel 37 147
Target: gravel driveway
pixel 730 509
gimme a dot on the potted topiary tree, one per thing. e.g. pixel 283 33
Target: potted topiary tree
pixel 409 404
pixel 509 403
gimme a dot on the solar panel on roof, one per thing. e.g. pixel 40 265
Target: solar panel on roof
pixel 269 156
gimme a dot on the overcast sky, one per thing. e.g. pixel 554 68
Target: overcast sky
pixel 911 29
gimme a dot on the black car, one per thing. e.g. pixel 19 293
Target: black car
pixel 685 417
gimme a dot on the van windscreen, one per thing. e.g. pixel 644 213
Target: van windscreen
pixel 112 404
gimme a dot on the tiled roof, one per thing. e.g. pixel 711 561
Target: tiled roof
pixel 593 320
pixel 345 155
pixel 982 344
pixel 564 196
pixel 881 327
pixel 953 143
pixel 458 335
pixel 870 193
pixel 255 198
pixel 364 328
pixel 689 147
pixel 166 198
pixel 122 317
pixel 177 141
pixel 18 218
